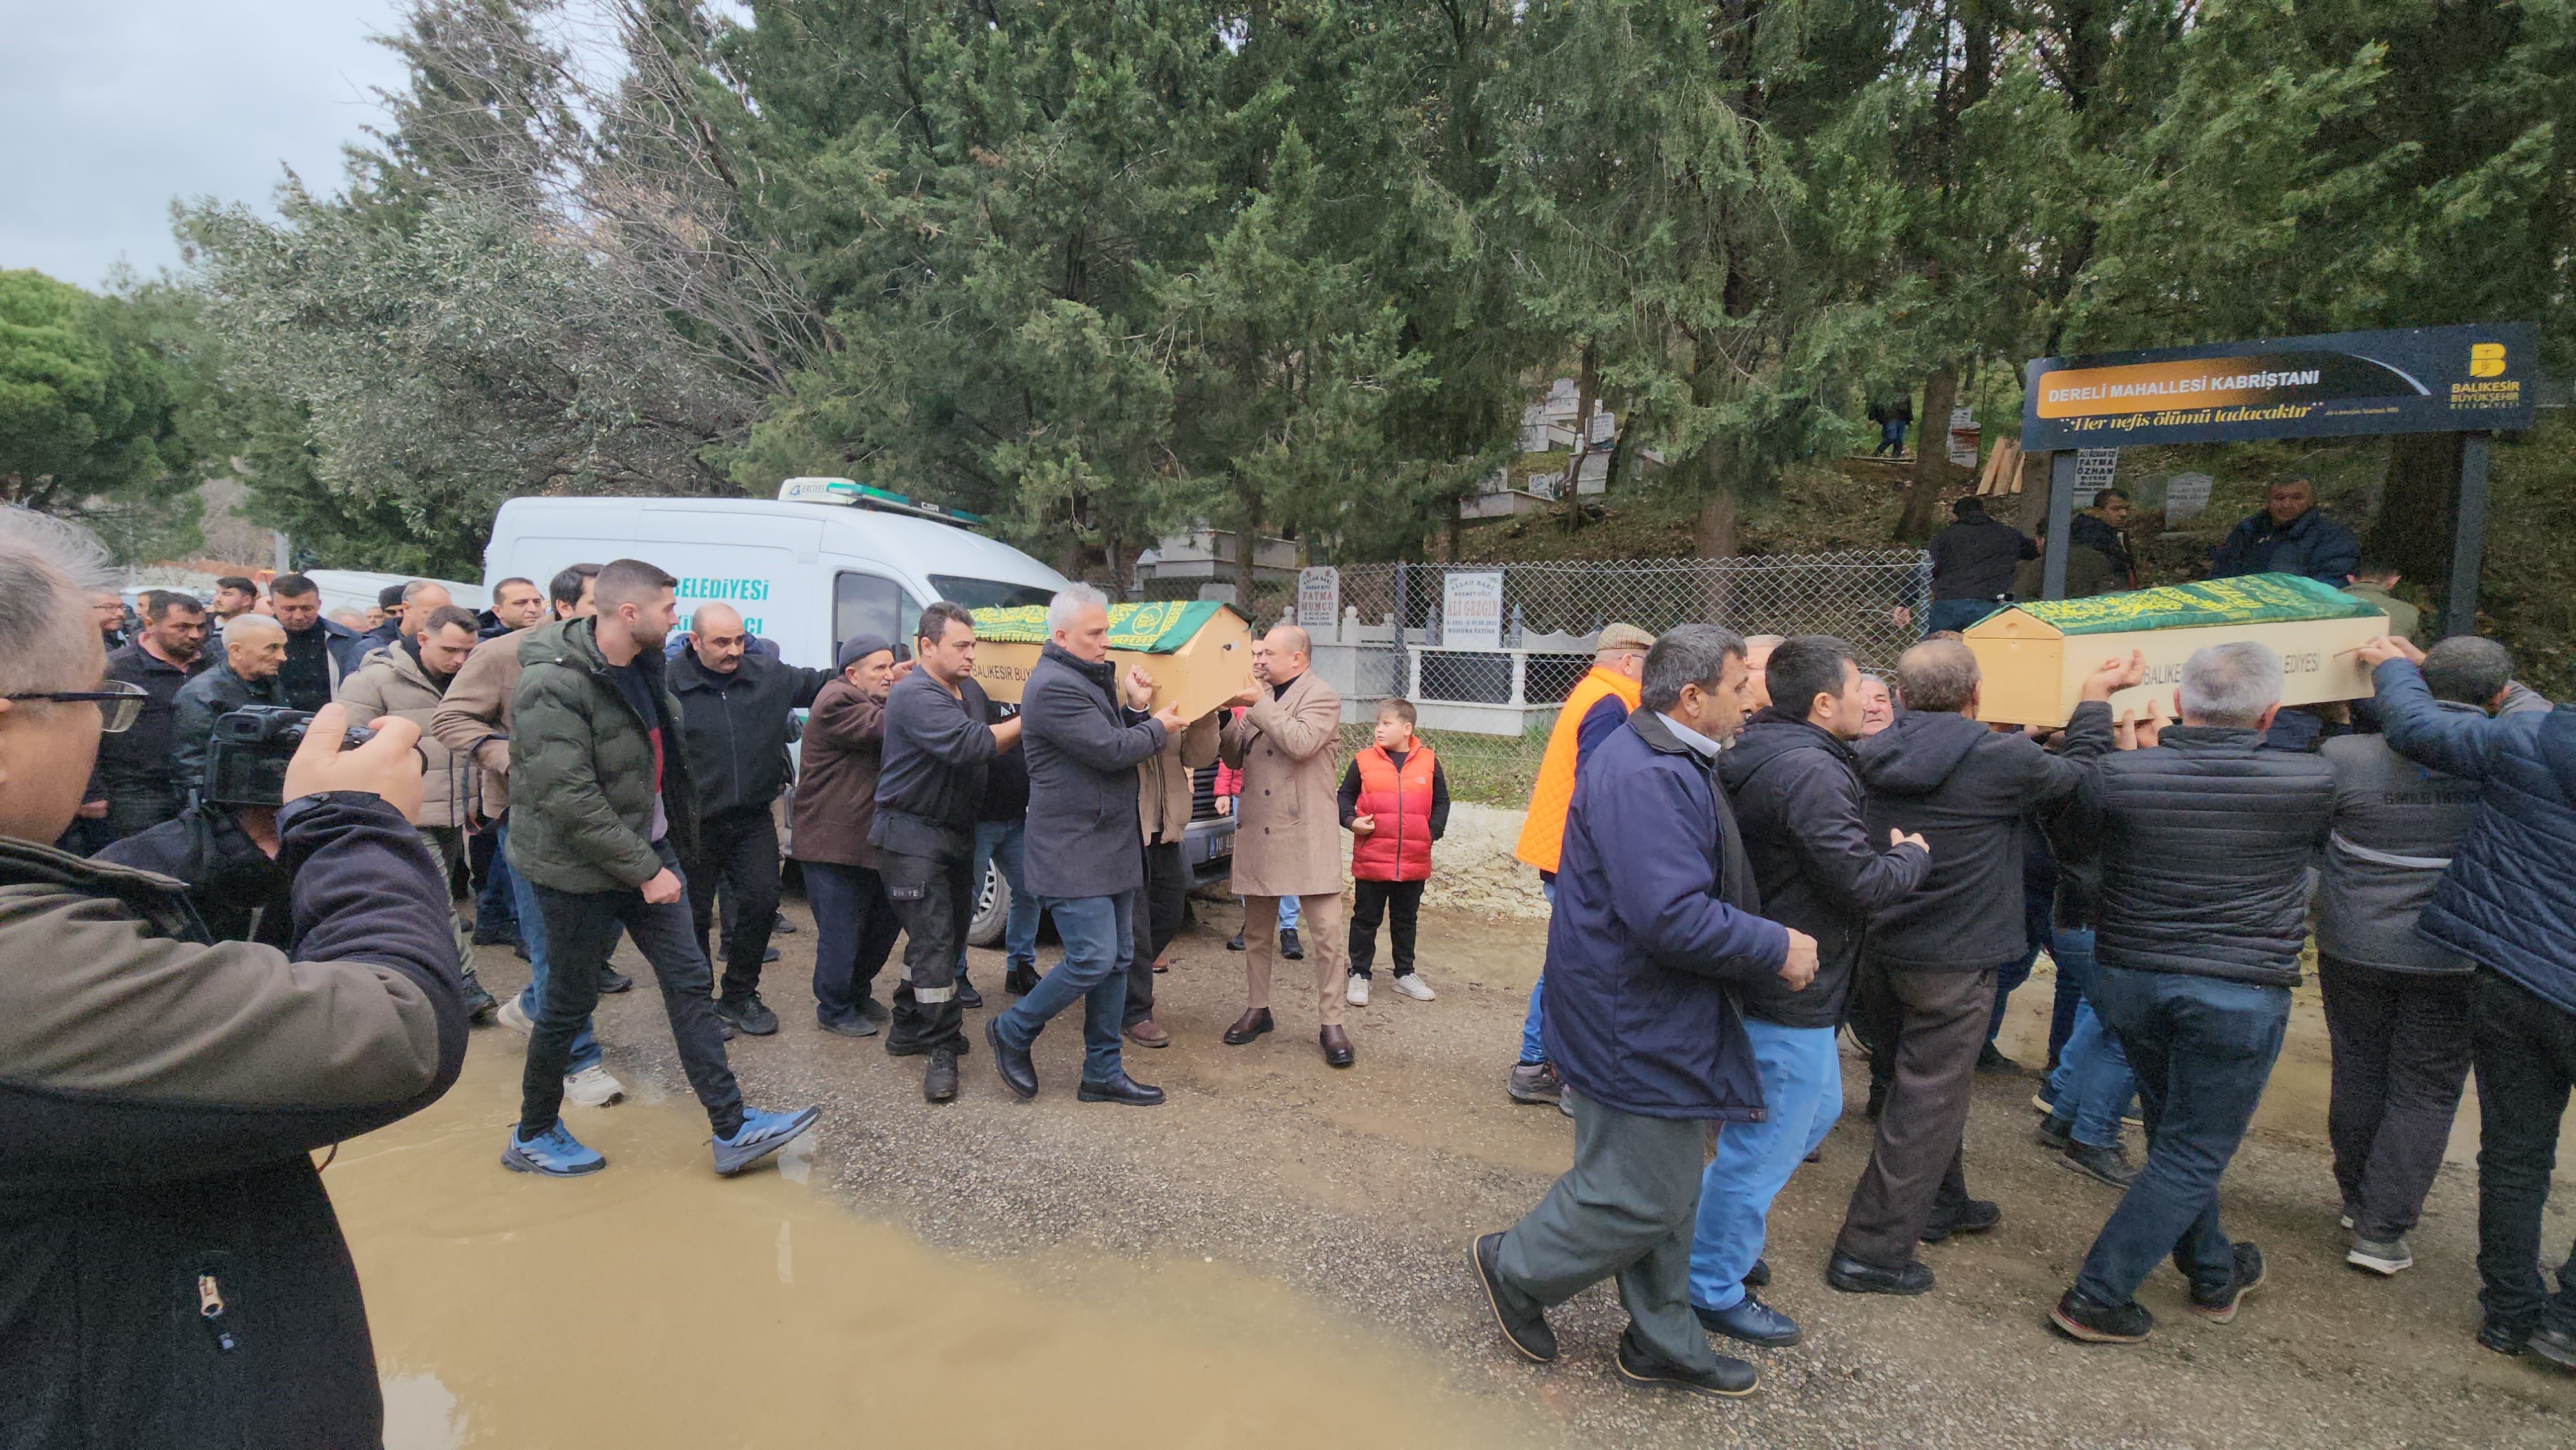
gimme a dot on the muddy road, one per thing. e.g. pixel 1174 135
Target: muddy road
pixel 1275 1258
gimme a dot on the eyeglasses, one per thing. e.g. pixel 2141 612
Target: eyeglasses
pixel 117 706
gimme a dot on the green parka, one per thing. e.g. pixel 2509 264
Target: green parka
pixel 581 767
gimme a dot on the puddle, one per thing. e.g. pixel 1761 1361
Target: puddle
pixel 657 1305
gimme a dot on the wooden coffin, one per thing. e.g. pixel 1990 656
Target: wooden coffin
pixel 1199 652
pixel 2036 656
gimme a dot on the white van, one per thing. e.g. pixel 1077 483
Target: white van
pixel 826 560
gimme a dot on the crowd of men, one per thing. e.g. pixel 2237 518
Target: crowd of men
pixel 1826 854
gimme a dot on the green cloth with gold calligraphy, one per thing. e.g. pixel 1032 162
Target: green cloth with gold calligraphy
pixel 2250 599
pixel 1154 627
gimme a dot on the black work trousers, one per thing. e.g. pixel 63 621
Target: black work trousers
pixel 2401 1054
pixel 581 927
pixel 2526 1058
pixel 1159 913
pixel 738 852
pixel 1400 904
pixel 934 897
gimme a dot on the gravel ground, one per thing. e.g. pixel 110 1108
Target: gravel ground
pixel 1361 1189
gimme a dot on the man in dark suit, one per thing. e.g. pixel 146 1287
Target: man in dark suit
pixel 1085 856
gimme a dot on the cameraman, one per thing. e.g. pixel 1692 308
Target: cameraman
pixel 227 856
pixel 170 1270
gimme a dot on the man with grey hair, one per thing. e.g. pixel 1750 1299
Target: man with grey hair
pixel 1085 730
pixel 2205 839
pixel 162 1094
pixel 249 674
pixel 1656 927
pixel 2397 1002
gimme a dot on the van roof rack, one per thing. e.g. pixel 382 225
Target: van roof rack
pixel 850 493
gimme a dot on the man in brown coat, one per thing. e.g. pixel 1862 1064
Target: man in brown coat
pixel 836 802
pixel 1288 829
pixel 1163 791
pixel 473 721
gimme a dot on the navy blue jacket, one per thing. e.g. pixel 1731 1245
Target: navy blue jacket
pixel 2504 902
pixel 1083 748
pixel 2311 544
pixel 1654 925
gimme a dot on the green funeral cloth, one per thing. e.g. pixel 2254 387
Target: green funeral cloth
pixel 1154 628
pixel 2251 599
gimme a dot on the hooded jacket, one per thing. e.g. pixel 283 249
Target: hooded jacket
pixel 582 762
pixel 171 1274
pixel 1966 787
pixel 1798 799
pixel 1655 929
pixel 2205 842
pixel 2504 902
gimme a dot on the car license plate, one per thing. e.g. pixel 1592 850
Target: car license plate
pixel 1221 846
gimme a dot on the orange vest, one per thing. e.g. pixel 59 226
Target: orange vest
pixel 1400 848
pixel 1544 831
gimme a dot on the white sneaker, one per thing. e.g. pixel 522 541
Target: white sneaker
pixel 1412 985
pixel 514 1016
pixel 593 1087
pixel 1357 992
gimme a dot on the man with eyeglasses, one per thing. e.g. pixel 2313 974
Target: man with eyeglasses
pixel 161 1094
pixel 136 784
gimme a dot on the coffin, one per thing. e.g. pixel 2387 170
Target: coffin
pixel 2036 656
pixel 1198 651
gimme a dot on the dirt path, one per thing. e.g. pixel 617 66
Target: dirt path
pixel 1359 1189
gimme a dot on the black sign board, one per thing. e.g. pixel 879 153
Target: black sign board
pixel 2419 380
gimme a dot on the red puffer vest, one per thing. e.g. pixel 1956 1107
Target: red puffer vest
pixel 1400 848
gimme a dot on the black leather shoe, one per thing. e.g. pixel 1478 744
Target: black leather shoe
pixel 2081 1317
pixel 967 996
pixel 1020 981
pixel 854 1025
pixel 1018 1073
pixel 1759 1276
pixel 1337 1046
pixel 939 1082
pixel 1752 1321
pixel 2502 1338
pixel 768 955
pixel 781 925
pixel 1249 1026
pixel 2554 1345
pixel 479 1004
pixel 874 1010
pixel 2054 1133
pixel 1732 1379
pixel 1854 1276
pixel 1289 946
pixel 1528 1333
pixel 2218 1306
pixel 1972 1216
pixel 1120 1089
pixel 613 981
pixel 1234 943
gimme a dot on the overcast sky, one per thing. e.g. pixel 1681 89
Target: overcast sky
pixel 112 107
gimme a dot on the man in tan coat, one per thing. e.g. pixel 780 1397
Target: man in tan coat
pixel 1288 832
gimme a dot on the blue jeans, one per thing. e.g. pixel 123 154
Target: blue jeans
pixel 2092 1085
pixel 497 905
pixel 1002 840
pixel 532 935
pixel 1099 941
pixel 1533 1051
pixel 1956 614
pixel 2203 1048
pixel 1802 1094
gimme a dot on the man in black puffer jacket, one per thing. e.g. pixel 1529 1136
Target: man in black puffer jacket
pixel 2206 840
pixel 1934 954
pixel 1795 786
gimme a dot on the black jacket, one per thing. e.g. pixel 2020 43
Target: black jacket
pixel 1966 788
pixel 200 702
pixel 239 893
pixel 1006 780
pixel 140 762
pixel 171 1274
pixel 2205 843
pixel 1083 748
pixel 734 726
pixel 937 750
pixel 1799 802
pixel 2091 532
pixel 1975 558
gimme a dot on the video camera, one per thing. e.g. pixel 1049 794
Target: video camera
pixel 246 757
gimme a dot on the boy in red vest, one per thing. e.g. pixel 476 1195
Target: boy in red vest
pixel 1395 803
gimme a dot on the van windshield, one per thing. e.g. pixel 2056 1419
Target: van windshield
pixel 988 593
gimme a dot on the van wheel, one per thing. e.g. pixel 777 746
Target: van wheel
pixel 992 908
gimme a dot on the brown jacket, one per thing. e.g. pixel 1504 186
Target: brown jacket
pixel 1288 827
pixel 390 682
pixel 473 720
pixel 1163 794
pixel 836 777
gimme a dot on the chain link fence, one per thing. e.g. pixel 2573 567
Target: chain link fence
pixel 1549 613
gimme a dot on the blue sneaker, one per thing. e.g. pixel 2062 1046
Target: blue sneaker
pixel 760 1135
pixel 555 1153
